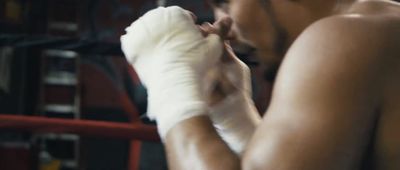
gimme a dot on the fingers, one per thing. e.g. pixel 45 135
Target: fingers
pixel 221 27
pixel 206 28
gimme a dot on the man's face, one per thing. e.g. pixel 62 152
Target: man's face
pixel 269 29
pixel 251 26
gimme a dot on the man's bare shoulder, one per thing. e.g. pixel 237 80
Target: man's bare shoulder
pixel 358 35
pixel 373 24
pixel 345 47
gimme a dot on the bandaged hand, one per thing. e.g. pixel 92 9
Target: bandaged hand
pixel 235 117
pixel 232 110
pixel 171 58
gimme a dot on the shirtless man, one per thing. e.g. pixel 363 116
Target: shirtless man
pixel 335 102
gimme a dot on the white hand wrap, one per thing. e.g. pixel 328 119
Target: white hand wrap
pixel 171 57
pixel 236 118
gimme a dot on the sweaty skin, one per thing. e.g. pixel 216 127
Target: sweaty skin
pixel 335 102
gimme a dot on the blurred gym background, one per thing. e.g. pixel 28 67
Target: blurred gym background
pixel 68 98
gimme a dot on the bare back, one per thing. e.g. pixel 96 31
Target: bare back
pixel 385 150
pixel 384 147
pixel 386 143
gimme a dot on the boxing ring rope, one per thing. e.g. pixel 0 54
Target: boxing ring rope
pixel 36 124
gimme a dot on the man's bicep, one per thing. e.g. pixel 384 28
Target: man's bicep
pixel 321 110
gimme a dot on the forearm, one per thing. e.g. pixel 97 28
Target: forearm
pixel 235 120
pixel 194 143
pixel 172 62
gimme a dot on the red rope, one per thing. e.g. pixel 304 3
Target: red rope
pixel 38 124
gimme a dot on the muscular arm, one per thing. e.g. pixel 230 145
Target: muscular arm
pixel 194 144
pixel 325 100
